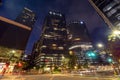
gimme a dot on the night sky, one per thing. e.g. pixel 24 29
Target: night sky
pixel 75 10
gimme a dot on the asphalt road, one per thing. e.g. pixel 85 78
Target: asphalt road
pixel 55 77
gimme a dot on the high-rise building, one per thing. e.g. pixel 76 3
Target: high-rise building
pixel 109 10
pixel 15 34
pixel 26 17
pixel 80 41
pixel 52 44
pixel 78 29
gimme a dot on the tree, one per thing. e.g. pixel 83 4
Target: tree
pixel 9 54
pixel 72 60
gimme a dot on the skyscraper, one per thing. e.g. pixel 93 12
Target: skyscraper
pixel 52 44
pixel 78 29
pixel 15 34
pixel 26 17
pixel 79 40
pixel 109 10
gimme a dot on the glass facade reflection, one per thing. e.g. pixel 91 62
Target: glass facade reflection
pixel 52 43
pixel 109 8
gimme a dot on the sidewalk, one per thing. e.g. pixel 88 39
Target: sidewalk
pixel 12 77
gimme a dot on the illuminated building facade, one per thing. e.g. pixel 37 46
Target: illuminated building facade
pixel 52 47
pixel 79 41
pixel 26 17
pixel 109 10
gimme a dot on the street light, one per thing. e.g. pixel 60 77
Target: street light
pixel 13 51
pixel 116 32
pixel 114 35
pixel 100 45
pixel 71 52
pixel 63 57
pixel 91 54
pixel 12 54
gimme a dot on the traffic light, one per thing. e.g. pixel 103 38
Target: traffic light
pixel 6 65
pixel 109 60
pixel 91 54
pixel 20 64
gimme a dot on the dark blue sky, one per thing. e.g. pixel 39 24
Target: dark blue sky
pixel 79 10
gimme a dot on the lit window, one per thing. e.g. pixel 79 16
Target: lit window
pixel 110 13
pixel 54 45
pixel 60 14
pixel 42 57
pixel 77 39
pixel 55 28
pixel 70 36
pixel 44 46
pixel 55 22
pixel 81 22
pixel 47 35
pixel 109 6
pixel 50 12
pixel 63 29
pixel 61 48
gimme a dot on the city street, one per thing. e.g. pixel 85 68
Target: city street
pixel 55 77
pixel 59 39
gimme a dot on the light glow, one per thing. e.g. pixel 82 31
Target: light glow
pixel 82 46
pixel 100 45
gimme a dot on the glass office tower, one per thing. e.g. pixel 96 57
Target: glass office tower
pixel 52 46
pixel 109 10
pixel 80 41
